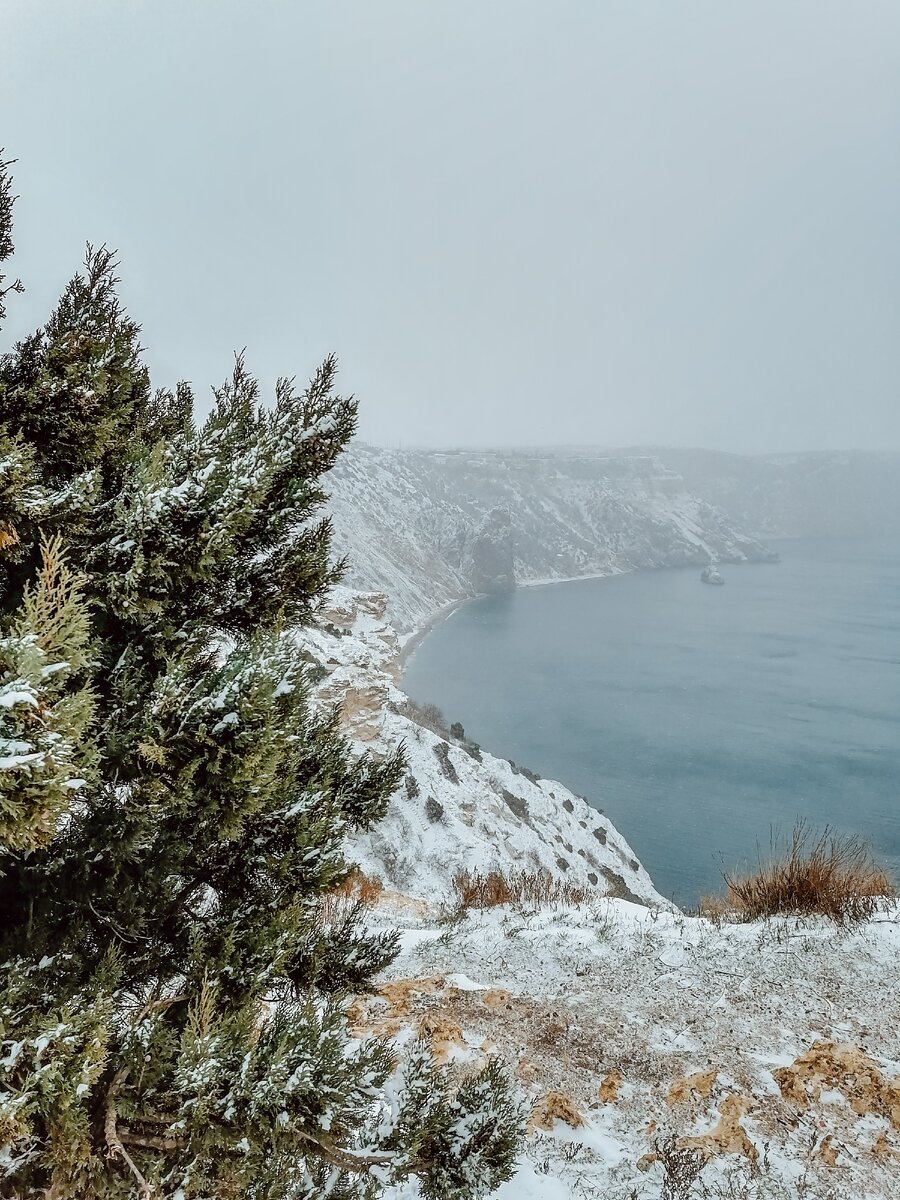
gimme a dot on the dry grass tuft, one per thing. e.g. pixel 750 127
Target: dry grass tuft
pixel 357 889
pixel 534 888
pixel 681 1166
pixel 829 875
pixel 716 909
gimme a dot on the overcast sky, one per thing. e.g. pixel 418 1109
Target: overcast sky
pixel 515 222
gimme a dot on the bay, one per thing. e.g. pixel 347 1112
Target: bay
pixel 703 720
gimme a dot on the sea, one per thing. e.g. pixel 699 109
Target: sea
pixel 704 721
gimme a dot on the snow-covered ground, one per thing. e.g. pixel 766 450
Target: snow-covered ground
pixel 770 1049
pixel 762 1059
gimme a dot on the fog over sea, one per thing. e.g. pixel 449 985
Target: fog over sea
pixel 700 719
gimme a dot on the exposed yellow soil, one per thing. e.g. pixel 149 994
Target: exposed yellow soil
pixel 682 1090
pixel 841 1067
pixel 728 1136
pixel 553 1107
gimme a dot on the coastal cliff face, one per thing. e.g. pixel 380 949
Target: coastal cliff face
pixel 429 527
pixel 459 807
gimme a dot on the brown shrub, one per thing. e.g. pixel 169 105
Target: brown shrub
pixel 357 889
pixel 716 909
pixel 474 890
pixel 831 875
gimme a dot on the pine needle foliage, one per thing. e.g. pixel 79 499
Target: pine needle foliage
pixel 43 753
pixel 7 199
pixel 75 379
pixel 173 809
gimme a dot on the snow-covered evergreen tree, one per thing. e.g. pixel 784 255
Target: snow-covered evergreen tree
pixel 172 811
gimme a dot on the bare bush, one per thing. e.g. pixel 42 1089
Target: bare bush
pixel 427 715
pixel 831 875
pixel 681 1168
pixel 533 888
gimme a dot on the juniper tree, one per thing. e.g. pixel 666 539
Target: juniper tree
pixel 173 808
pixel 6 225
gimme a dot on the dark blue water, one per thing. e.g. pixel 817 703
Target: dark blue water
pixel 700 719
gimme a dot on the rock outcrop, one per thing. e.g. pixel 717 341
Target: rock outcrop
pixel 488 562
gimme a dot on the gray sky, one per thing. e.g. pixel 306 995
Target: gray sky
pixel 515 222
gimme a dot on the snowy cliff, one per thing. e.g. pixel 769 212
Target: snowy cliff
pixel 430 527
pixel 459 807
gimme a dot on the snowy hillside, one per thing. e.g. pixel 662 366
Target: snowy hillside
pixel 429 527
pixel 747 1061
pixel 754 1061
pixel 459 807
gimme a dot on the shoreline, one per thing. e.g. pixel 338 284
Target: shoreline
pixel 418 635
pixel 548 580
